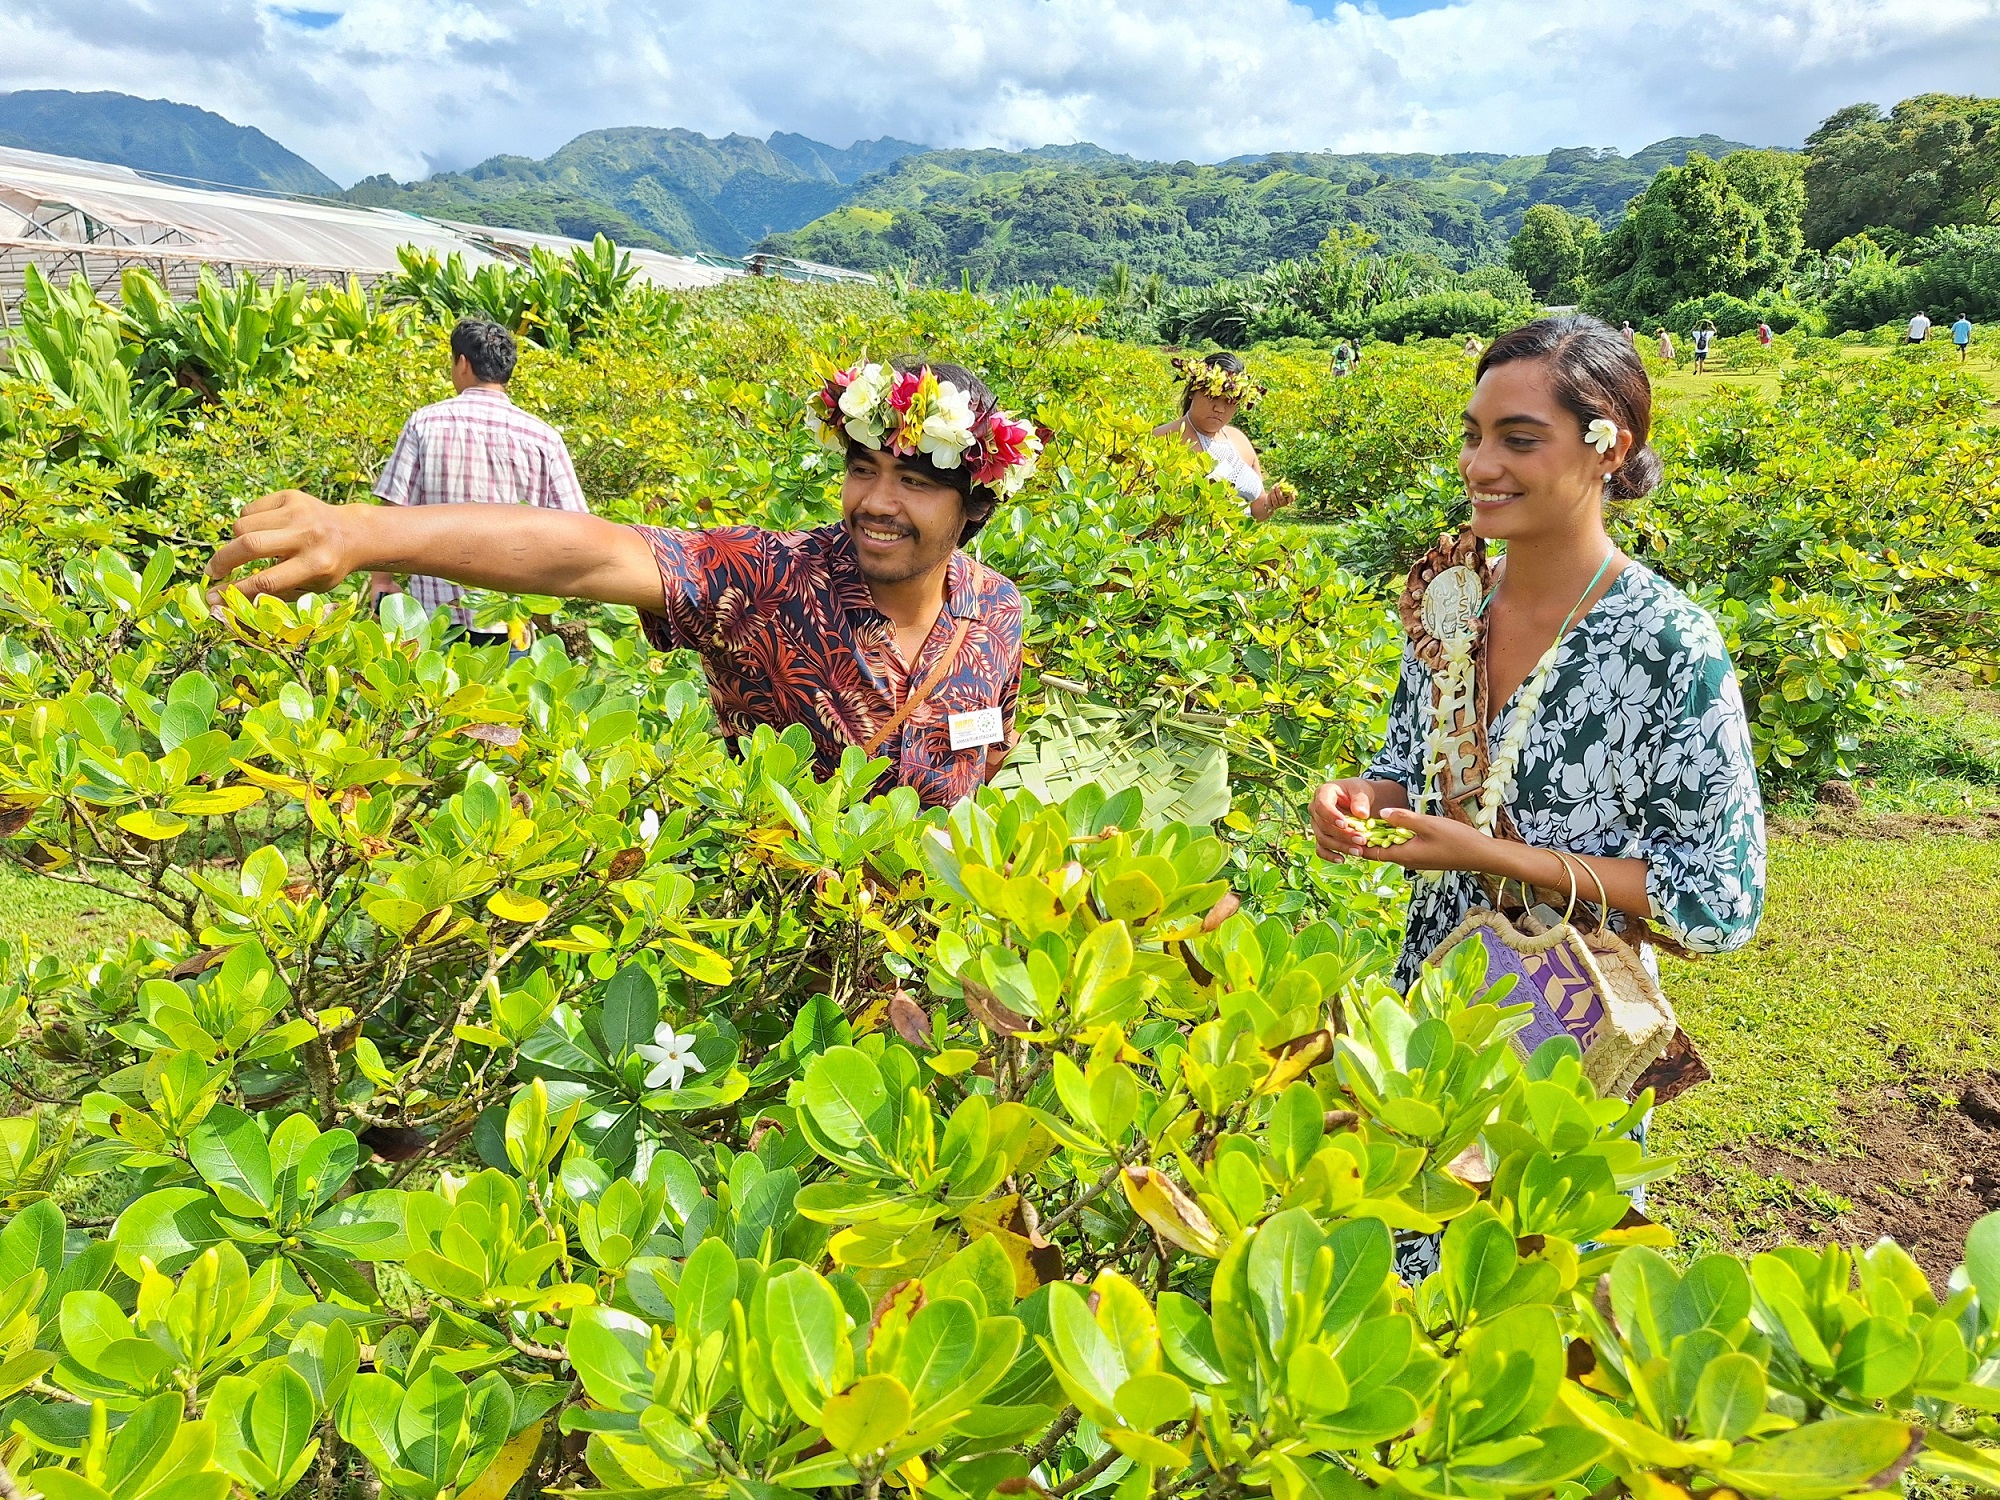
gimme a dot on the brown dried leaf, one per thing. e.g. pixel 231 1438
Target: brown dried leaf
pixel 1222 911
pixel 1582 1359
pixel 625 864
pixel 395 1142
pixel 505 736
pixel 1470 1166
pixel 14 819
pixel 991 1012
pixel 912 1021
pixel 199 963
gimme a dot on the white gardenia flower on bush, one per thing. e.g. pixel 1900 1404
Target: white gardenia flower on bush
pixel 948 429
pixel 671 1056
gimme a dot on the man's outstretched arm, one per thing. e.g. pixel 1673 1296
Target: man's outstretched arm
pixel 514 549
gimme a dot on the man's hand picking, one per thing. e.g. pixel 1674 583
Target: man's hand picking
pixel 308 542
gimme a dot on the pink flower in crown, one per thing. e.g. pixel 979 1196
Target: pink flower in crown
pixel 1007 450
pixel 905 388
pixel 903 421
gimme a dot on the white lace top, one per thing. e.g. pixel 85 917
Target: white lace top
pixel 1231 467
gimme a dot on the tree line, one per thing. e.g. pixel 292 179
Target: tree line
pixel 1880 216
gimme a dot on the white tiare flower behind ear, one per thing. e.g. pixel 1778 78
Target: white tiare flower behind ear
pixel 671 1056
pixel 1602 434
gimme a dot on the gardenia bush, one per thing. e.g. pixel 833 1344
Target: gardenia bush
pixel 512 1091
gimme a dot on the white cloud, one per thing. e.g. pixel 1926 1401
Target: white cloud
pixel 409 85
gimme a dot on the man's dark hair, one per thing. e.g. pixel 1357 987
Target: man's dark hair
pixel 980 501
pixel 487 347
pixel 1593 373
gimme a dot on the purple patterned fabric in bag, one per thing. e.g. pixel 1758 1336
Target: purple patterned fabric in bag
pixel 1565 999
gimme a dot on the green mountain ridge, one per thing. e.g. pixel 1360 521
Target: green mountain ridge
pixel 155 135
pixel 1073 213
pixel 670 188
pixel 1066 213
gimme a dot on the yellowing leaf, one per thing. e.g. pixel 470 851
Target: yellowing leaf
pixel 517 906
pixel 508 1465
pixel 1162 1204
pixel 147 824
pixel 271 781
pixel 216 802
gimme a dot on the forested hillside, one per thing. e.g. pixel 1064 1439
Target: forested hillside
pixel 670 189
pixel 1055 213
pixel 1070 214
pixel 154 135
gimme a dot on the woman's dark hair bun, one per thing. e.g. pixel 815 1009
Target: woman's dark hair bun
pixel 1638 476
pixel 1594 372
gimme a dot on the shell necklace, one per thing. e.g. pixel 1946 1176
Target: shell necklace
pixel 1506 759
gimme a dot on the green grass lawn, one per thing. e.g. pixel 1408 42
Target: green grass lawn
pixel 1875 956
pixel 72 922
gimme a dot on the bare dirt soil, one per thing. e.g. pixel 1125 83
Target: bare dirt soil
pixel 1930 1167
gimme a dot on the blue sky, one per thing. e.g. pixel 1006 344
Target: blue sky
pixel 410 86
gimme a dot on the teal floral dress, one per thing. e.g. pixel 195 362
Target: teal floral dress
pixel 1640 750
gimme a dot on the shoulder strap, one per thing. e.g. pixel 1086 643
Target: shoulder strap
pixel 921 693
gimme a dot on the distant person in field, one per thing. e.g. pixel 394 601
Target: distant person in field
pixel 1666 346
pixel 1631 337
pixel 874 631
pixel 1920 328
pixel 1764 334
pixel 1704 337
pixel 1343 357
pixel 1473 348
pixel 1214 389
pixel 1961 335
pixel 478 448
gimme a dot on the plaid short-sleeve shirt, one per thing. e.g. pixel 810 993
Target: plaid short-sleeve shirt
pixel 478 448
pixel 789 634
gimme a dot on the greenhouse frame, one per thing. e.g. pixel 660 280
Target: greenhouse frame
pixel 69 216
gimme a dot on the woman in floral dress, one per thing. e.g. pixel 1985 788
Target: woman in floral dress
pixel 1620 737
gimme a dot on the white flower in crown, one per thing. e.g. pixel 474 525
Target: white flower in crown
pixel 947 431
pixel 1602 434
pixel 1020 473
pixel 864 405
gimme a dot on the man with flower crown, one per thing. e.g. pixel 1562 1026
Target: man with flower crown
pixel 874 631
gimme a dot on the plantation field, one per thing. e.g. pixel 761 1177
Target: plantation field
pixel 455 1078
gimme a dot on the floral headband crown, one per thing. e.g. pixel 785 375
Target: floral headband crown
pixel 1213 380
pixel 912 411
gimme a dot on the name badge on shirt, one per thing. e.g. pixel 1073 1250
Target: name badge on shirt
pixel 981 726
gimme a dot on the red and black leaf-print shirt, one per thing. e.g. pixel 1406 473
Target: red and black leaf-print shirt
pixel 789 634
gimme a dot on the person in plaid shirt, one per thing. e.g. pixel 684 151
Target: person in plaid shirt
pixel 875 631
pixel 478 448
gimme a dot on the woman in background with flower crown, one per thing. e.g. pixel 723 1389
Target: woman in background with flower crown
pixel 1618 747
pixel 1215 388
